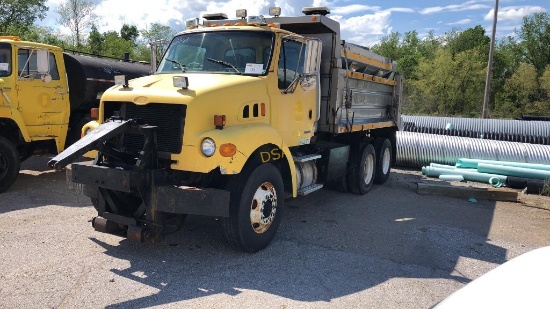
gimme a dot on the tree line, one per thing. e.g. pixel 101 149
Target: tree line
pixel 19 17
pixel 444 75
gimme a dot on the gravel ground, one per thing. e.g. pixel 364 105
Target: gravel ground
pixel 391 248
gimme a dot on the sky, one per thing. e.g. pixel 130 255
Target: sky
pixel 362 22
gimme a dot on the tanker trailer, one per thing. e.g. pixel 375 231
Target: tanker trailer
pixel 88 78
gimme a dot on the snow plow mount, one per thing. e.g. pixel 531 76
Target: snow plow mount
pixel 133 195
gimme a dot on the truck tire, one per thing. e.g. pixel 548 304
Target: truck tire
pixel 9 164
pixel 361 170
pixel 256 208
pixel 382 148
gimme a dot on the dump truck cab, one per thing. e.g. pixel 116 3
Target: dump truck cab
pixel 252 77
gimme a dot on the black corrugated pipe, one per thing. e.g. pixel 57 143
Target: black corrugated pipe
pixel 533 132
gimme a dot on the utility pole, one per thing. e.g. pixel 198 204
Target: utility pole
pixel 485 113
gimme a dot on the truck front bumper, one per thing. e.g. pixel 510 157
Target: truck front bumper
pixel 169 198
pixel 151 219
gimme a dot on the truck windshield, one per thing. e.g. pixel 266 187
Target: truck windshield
pixel 231 52
pixel 5 60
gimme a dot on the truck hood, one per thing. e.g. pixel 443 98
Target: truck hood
pixel 159 88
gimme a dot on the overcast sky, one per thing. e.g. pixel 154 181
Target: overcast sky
pixel 363 22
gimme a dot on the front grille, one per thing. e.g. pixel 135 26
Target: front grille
pixel 168 118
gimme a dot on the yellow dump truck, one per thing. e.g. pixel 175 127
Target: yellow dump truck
pixel 38 114
pixel 240 115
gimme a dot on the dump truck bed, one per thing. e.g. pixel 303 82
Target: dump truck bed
pixel 360 90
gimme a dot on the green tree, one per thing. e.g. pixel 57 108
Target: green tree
pixel 437 82
pixel 77 15
pixel 115 46
pixel 96 41
pixel 129 33
pixel 157 38
pixel 472 38
pixel 142 53
pixel 43 35
pixel 535 39
pixel 543 106
pixel 16 16
pixel 389 46
pixel 449 86
pixel 429 45
pixel 520 91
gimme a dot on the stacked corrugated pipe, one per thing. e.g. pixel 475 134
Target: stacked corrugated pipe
pixel 445 140
pixel 418 149
pixel 533 132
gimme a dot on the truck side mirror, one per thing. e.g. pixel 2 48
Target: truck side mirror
pixel 312 65
pixel 312 62
pixel 43 61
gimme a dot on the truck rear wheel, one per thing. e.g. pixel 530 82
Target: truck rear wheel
pixel 9 163
pixel 256 208
pixel 382 147
pixel 361 171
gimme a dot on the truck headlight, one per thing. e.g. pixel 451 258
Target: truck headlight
pixel 208 147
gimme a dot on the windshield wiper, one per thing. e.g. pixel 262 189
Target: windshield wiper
pixel 182 66
pixel 227 64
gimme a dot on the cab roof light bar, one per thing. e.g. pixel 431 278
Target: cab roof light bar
pixel 215 16
pixel 316 10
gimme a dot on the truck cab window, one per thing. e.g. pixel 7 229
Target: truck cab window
pixel 226 52
pixel 240 57
pixel 53 67
pixel 291 62
pixel 5 60
pixel 27 64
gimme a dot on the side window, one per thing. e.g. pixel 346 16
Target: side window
pixel 53 67
pixel 291 62
pixel 27 65
pixel 5 60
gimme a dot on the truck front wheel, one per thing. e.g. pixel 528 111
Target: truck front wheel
pixel 256 208
pixel 9 164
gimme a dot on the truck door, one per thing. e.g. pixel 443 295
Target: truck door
pixel 297 104
pixel 42 98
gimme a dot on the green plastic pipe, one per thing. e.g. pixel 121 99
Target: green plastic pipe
pixel 451 177
pixel 449 167
pixel 513 171
pixel 470 175
pixel 495 182
pixel 473 163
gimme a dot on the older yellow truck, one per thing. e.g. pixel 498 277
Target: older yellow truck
pixel 38 114
pixel 240 115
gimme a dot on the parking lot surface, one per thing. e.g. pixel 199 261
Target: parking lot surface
pixel 391 248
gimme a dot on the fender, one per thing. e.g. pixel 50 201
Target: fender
pixel 88 127
pixel 10 113
pixel 247 139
